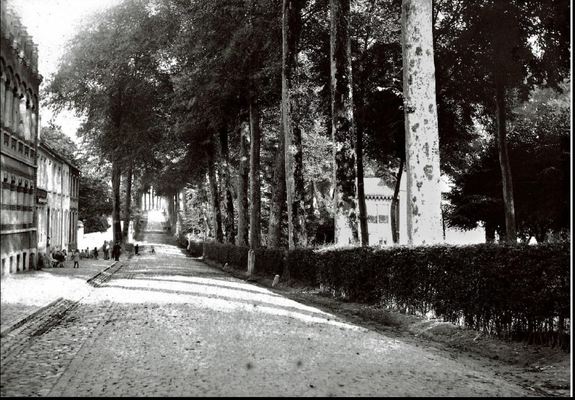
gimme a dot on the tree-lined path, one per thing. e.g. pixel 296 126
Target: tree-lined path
pixel 168 325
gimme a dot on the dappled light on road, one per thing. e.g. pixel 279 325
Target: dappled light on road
pixel 166 324
pixel 227 295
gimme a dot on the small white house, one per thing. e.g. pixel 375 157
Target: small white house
pixel 378 199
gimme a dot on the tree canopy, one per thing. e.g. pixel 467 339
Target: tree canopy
pixel 168 89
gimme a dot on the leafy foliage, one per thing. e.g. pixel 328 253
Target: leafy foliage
pixel 94 203
pixel 59 141
pixel 539 151
pixel 157 80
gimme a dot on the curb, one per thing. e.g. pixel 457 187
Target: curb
pixel 89 281
pixel 28 318
pixel 35 313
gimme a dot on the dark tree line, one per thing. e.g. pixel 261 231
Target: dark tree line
pixel 270 114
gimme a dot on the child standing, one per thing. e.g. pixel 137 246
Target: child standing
pixel 76 258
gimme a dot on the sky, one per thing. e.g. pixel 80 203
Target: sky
pixel 51 23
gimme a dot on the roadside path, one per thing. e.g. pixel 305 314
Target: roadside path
pixel 169 325
pixel 28 292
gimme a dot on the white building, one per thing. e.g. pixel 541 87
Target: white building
pixel 57 201
pixel 378 199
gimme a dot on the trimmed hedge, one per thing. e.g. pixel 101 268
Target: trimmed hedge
pixel 515 292
pixel 196 248
pixel 270 262
pixel 236 256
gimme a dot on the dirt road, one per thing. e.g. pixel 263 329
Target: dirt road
pixel 169 325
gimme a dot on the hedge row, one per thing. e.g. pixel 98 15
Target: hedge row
pixel 226 253
pixel 519 292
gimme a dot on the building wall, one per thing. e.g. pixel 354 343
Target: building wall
pixel 378 198
pixel 19 87
pixel 57 202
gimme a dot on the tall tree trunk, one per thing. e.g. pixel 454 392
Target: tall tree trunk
pixel 489 232
pixel 128 205
pixel 278 193
pixel 139 195
pixel 507 183
pixel 116 168
pixel 395 205
pixel 291 115
pixel 360 111
pixel 343 135
pixel 424 222
pixel 229 216
pixel 181 211
pixel 205 212
pixel 255 180
pixel 214 195
pixel 361 190
pixel 116 224
pixel 243 185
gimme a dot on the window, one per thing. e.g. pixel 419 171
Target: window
pixel 383 213
pixel 378 213
pixel 371 212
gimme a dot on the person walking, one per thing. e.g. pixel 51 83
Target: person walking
pixel 105 249
pixel 136 248
pixel 76 258
pixel 117 249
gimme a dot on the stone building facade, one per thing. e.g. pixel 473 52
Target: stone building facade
pixel 56 201
pixel 19 88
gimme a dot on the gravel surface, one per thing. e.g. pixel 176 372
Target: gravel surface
pixel 170 325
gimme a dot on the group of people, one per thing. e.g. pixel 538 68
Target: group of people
pixel 116 250
pixel 87 253
pixel 59 257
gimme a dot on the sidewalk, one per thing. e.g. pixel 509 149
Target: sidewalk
pixel 25 293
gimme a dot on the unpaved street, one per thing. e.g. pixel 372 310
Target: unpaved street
pixel 168 325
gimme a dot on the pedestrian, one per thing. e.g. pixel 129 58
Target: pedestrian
pixel 105 250
pixel 60 259
pixel 152 250
pixel 117 249
pixel 136 248
pixel 95 252
pixel 76 258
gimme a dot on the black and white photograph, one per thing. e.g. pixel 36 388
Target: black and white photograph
pixel 286 198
